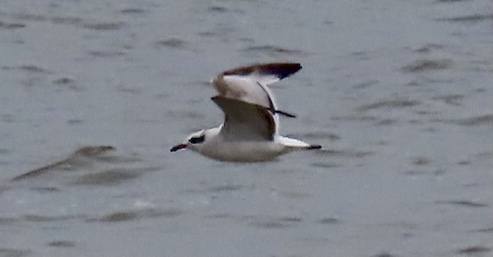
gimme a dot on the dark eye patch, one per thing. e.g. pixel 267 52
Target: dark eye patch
pixel 197 140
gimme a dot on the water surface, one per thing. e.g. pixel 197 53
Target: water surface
pixel 94 93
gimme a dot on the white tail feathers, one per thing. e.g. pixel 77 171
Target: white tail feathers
pixel 296 144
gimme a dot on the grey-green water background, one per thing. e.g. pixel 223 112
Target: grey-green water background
pixel 399 93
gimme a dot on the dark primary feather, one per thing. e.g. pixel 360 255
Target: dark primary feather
pixel 281 70
pixel 245 121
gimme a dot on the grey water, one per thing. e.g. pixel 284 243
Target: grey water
pixel 94 93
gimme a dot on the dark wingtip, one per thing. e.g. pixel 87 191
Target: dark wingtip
pixel 285 114
pixel 314 147
pixel 280 69
pixel 283 70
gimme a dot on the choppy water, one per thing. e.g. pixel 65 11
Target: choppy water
pixel 94 93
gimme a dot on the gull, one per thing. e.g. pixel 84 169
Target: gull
pixel 251 118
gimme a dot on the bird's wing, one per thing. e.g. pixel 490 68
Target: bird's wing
pixel 267 73
pixel 245 121
pixel 249 83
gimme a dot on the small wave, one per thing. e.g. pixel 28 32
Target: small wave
pixel 427 65
pixel 474 250
pixel 84 158
pixel 272 50
pixel 469 18
pixel 177 43
pixel 123 216
pixel 465 203
pixel 8 25
pixel 392 103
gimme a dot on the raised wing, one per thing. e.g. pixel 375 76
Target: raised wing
pixel 245 121
pixel 249 83
pixel 267 73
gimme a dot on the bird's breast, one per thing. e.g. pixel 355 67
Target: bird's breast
pixel 243 151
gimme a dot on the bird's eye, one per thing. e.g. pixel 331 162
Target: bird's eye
pixel 197 140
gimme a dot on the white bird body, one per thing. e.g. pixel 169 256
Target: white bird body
pixel 244 151
pixel 250 129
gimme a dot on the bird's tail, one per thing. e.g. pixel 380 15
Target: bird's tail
pixel 295 144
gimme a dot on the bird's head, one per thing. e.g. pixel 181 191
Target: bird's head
pixel 193 142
